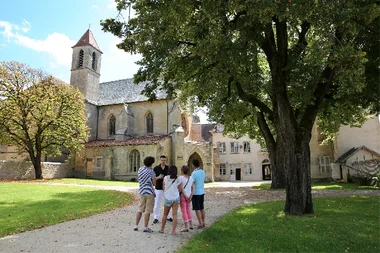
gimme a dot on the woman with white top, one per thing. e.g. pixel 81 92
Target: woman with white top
pixel 172 186
pixel 185 198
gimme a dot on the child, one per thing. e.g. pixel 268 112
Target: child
pixel 185 198
pixel 172 186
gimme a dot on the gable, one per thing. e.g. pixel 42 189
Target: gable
pixel 358 153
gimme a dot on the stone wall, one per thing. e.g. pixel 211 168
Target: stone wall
pixel 25 170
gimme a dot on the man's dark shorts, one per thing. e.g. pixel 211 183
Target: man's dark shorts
pixel 197 202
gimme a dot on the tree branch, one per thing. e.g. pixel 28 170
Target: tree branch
pixel 252 100
pixel 265 130
pixel 319 93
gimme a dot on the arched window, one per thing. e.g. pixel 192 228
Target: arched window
pixel 112 125
pixel 149 123
pixel 93 61
pixel 81 56
pixel 134 160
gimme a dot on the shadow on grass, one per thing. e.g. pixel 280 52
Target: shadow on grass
pixel 338 225
pixel 33 211
pixel 324 186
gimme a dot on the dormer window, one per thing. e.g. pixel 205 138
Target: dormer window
pixel 93 64
pixel 112 125
pixel 81 56
pixel 149 123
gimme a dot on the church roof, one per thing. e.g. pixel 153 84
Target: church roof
pixel 344 157
pixel 87 39
pixel 142 140
pixel 124 91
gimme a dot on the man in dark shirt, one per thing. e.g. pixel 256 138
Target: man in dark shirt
pixel 162 168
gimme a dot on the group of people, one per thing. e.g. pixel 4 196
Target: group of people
pixel 163 183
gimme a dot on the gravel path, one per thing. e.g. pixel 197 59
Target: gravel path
pixel 113 231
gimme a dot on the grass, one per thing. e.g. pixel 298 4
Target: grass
pixel 326 186
pixel 78 181
pixel 349 224
pixel 28 206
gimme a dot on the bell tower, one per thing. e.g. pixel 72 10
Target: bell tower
pixel 85 67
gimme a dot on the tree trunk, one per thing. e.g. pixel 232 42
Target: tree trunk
pixel 37 166
pixel 298 187
pixel 277 168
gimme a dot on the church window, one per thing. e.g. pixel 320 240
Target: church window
pixel 93 61
pixel 81 56
pixel 134 160
pixel 149 123
pixel 112 125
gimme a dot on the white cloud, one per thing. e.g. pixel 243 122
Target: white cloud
pixel 94 7
pixel 117 64
pixel 111 4
pixel 57 45
pixel 26 26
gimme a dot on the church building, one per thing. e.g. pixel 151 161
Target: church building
pixel 125 127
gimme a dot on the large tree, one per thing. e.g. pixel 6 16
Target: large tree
pixel 39 114
pixel 266 68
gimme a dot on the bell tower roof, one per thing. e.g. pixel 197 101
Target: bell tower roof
pixel 88 39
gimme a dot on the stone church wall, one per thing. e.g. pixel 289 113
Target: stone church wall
pixel 25 170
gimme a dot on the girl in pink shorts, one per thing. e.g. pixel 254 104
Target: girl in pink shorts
pixel 185 197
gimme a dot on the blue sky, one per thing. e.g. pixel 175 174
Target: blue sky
pixel 41 33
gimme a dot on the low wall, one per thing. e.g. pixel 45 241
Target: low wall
pixel 25 170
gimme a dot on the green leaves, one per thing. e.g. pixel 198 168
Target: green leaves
pixel 39 113
pixel 318 56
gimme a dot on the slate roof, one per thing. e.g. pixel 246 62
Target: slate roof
pixel 87 39
pixel 124 91
pixel 344 157
pixel 142 140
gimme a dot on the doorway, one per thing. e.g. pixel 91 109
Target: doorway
pixel 89 168
pixel 266 172
pixel 238 174
pixel 197 157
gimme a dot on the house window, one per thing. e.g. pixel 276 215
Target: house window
pixel 232 171
pixel 222 168
pixel 222 148
pixel 247 147
pixel 234 147
pixel 93 65
pixel 149 123
pixel 134 160
pixel 98 162
pixel 81 56
pixel 248 168
pixel 324 164
pixel 112 125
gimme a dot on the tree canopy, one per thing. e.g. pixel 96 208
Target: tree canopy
pixel 39 113
pixel 263 68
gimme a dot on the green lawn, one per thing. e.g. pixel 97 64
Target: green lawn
pixel 326 186
pixel 349 224
pixel 29 206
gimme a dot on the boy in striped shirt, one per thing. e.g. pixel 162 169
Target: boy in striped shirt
pixel 147 178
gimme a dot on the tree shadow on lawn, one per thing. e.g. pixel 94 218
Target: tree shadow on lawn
pixel 338 224
pixel 30 214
